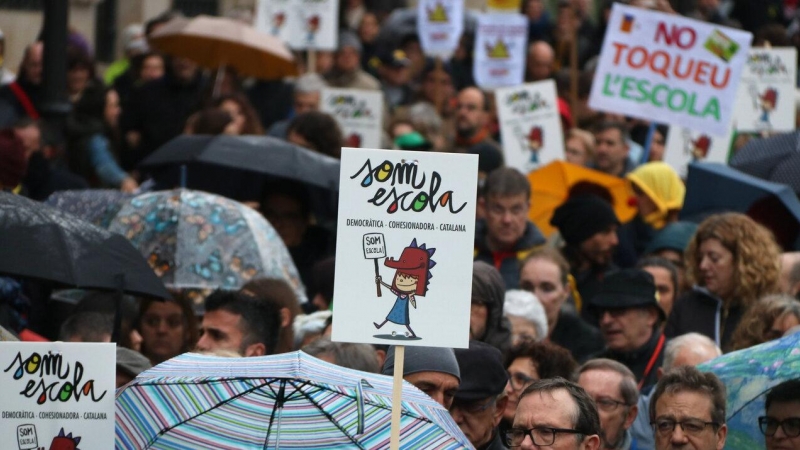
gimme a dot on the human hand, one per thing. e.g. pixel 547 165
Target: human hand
pixel 128 185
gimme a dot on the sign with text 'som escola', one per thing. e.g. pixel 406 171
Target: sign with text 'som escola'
pixel 404 248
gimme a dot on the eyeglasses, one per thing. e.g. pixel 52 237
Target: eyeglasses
pixel 472 407
pixel 608 404
pixel 519 380
pixel 769 426
pixel 540 435
pixel 689 426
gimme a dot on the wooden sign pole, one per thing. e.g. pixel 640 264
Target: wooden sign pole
pixel 312 61
pixel 397 397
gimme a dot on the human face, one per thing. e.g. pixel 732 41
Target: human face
pixel 163 331
pixel 77 78
pixel 540 61
pixel 506 218
pixel 470 113
pixel 306 102
pixel 436 86
pixel 781 325
pixel 644 204
pixel 369 28
pixel 627 329
pixel 615 415
pixel 112 110
pixel 555 409
pixel 521 373
pixel 347 60
pixel 235 111
pixel 152 68
pixel 33 64
pixel 664 287
pixel 657 147
pixel 477 419
pixel 599 249
pixel 782 411
pixel 521 330
pixel 716 267
pixel 684 405
pixel 610 151
pixel 576 152
pixel 439 386
pixel 221 330
pixel 478 315
pixel 285 214
pixel 543 278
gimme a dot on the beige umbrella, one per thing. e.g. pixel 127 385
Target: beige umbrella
pixel 215 42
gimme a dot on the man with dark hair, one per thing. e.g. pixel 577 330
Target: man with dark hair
pixel 317 131
pixel 87 327
pixel 781 424
pixel 240 323
pixel 506 236
pixel 611 149
pixel 472 118
pixel 687 410
pixel 613 388
pixel 665 275
pixel 557 414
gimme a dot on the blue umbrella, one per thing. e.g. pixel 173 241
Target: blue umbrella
pixel 714 188
pixel 748 375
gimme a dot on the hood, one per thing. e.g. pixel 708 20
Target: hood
pixel 489 289
pixel 659 181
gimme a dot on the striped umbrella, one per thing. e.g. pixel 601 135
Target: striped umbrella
pixel 291 401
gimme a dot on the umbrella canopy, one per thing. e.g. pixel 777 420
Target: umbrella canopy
pixel 39 241
pixel 196 240
pixel 748 375
pixel 776 158
pixel 551 186
pixel 213 42
pixel 291 400
pixel 95 206
pixel 260 154
pixel 713 188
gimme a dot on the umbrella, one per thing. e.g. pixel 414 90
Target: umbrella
pixel 552 184
pixel 291 400
pixel 39 241
pixel 748 375
pixel 96 206
pixel 260 154
pixel 214 42
pixel 776 158
pixel 713 188
pixel 196 240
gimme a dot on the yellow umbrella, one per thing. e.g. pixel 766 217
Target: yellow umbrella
pixel 551 185
pixel 215 42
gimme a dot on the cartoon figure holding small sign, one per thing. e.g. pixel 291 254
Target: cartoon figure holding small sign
pixel 767 102
pixel 410 280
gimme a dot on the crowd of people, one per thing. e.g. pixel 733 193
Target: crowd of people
pixel 586 338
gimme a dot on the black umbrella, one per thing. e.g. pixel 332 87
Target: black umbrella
pixel 38 241
pixel 776 158
pixel 259 154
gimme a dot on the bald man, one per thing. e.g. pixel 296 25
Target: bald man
pixel 541 59
pixel 472 119
pixel 790 274
pixel 26 102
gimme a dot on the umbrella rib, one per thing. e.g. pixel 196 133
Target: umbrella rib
pixel 326 414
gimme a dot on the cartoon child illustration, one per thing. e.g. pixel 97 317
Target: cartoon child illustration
pixel 354 140
pixel 410 280
pixel 767 103
pixel 700 147
pixel 277 22
pixel 312 26
pixel 65 442
pixel 535 142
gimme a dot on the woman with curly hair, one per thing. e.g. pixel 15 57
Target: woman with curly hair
pixel 767 319
pixel 245 118
pixel 732 262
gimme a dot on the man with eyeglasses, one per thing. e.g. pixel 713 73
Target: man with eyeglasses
pixel 613 388
pixel 556 414
pixel 781 425
pixel 472 118
pixel 687 411
pixel 480 400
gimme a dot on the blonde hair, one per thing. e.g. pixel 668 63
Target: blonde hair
pixel 586 138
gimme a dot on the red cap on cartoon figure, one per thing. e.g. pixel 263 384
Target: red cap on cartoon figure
pixel 770 96
pixel 416 261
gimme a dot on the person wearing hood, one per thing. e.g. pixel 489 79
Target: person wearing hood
pixel 487 322
pixel 659 193
pixel 506 236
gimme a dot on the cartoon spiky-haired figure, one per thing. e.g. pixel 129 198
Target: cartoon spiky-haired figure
pixel 65 442
pixel 410 280
pixel 767 103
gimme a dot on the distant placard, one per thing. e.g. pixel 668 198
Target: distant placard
pixel 500 50
pixel 684 146
pixel 359 114
pixel 766 98
pixel 301 24
pixel 440 24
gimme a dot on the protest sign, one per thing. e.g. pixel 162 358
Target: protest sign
pixel 766 99
pixel 500 47
pixel 274 17
pixel 503 6
pixel 684 146
pixel 530 125
pixel 440 24
pixel 359 114
pixel 668 68
pixel 301 24
pixel 57 395
pixel 416 210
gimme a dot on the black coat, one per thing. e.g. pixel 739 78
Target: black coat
pixel 577 336
pixel 699 311
pixel 638 360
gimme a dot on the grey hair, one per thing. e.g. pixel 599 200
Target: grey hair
pixel 309 83
pixel 425 113
pixel 353 356
pixel 524 304
pixel 627 387
pixel 694 341
pixel 313 323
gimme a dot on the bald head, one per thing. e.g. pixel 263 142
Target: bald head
pixel 689 349
pixel 790 273
pixel 31 67
pixel 540 61
pixel 472 111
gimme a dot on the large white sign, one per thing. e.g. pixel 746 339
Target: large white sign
pixel 684 146
pixel 530 125
pixel 359 114
pixel 766 99
pixel 404 248
pixel 57 396
pixel 440 24
pixel 500 49
pixel 670 69
pixel 301 24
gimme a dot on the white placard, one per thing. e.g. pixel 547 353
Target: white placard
pixel 440 24
pixel 422 207
pixel 316 25
pixel 275 17
pixel 530 125
pixel 684 146
pixel 766 99
pixel 670 69
pixel 500 50
pixel 57 395
pixel 359 114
